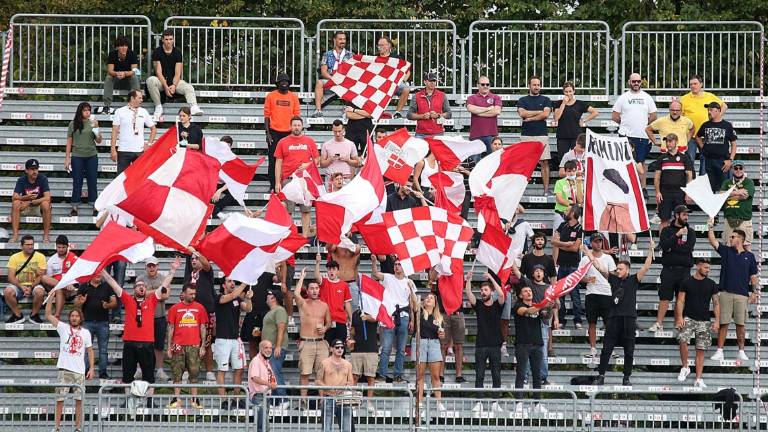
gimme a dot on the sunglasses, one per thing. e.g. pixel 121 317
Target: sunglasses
pixel 636 81
pixel 338 347
pixel 485 84
pixel 738 168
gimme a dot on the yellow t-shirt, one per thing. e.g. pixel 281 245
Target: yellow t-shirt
pixel 693 107
pixel 28 275
pixel 665 126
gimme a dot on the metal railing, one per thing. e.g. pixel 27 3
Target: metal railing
pixel 509 52
pixel 72 49
pixel 22 410
pixel 725 53
pixel 239 51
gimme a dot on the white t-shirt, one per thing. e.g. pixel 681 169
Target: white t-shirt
pixel 331 148
pixel 398 290
pixel 634 109
pixel 522 232
pixel 131 122
pixel 601 285
pixel 72 346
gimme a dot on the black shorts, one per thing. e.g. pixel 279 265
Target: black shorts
pixel 597 306
pixel 161 330
pixel 141 354
pixel 339 331
pixel 670 281
pixel 671 200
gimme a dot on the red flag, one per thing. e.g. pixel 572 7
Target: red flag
pixel 373 294
pixel 306 186
pixel 564 285
pixel 494 251
pixel 235 173
pixel 376 238
pixel 277 214
pixel 450 151
pixel 451 286
pixel 449 190
pixel 485 208
pixel 398 153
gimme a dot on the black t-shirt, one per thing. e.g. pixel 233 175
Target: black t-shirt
pixel 123 65
pixel 394 202
pixel 698 296
pixel 204 282
pixel 92 308
pixel 488 324
pixel 716 138
pixel 365 337
pixel 194 134
pixel 359 127
pixel 568 233
pixel 568 125
pixel 673 171
pixel 527 327
pixel 259 299
pixel 429 327
pixel 539 291
pixel 623 295
pixel 167 62
pixel 530 260
pixel 227 318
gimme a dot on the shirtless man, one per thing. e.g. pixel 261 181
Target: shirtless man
pixel 348 261
pixel 335 372
pixel 315 319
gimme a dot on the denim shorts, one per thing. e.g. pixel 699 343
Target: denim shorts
pixel 641 148
pixel 429 351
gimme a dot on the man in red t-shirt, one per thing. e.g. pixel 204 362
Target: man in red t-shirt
pixel 186 333
pixel 335 293
pixel 294 153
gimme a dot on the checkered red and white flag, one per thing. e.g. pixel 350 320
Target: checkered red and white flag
pixel 368 82
pixel 398 153
pixel 449 190
pixel 373 294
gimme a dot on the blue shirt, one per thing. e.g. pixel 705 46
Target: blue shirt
pixel 331 58
pixel 736 269
pixel 534 103
pixel 39 187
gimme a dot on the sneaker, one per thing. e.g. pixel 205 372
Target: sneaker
pixel 539 408
pixel 196 403
pixel 400 380
pixel 504 350
pixel 15 319
pixel 158 113
pixel 496 407
pixel 579 326
pixel 519 407
pixel 742 355
pixel 684 372
pixel 633 246
pixel 175 403
pixel 545 382
pixel 626 382
pixel 317 114
pixel 398 115
pixel 161 375
pixel 718 355
pixel 460 379
pixel 224 405
pixel 699 384
pixel 655 220
pixel 195 110
pixel 380 378
pixel 599 380
pixel 389 380
pixel 592 353
pixel 656 327
pixel 137 375
pixel 35 319
pixel 98 110
pixel 548 193
pixel 478 407
pixel 210 376
pixel 73 212
pixel 241 404
pixel 104 376
pixel 442 379
pixel 441 407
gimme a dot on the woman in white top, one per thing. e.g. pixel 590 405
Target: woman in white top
pixel 421 172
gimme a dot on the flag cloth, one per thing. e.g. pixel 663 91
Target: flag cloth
pixel 235 173
pixel 504 175
pixel 487 214
pixel 564 285
pixel 613 192
pixel 6 63
pixel 451 150
pixel 373 301
pixel 376 237
pixel 495 251
pixel 449 190
pixel 451 286
pixel 368 82
pixel 305 186
pixel 337 211
pixel 114 243
pixel 235 246
pixel 398 153
pixel 287 247
pixel 700 192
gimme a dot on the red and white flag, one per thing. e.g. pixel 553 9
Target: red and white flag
pixel 495 251
pixel 305 186
pixel 564 285
pixel 376 237
pixel 114 243
pixel 234 172
pixel 450 150
pixel 6 63
pixel 505 174
pixel 277 214
pixel 398 153
pixel 236 246
pixel 449 190
pixel 368 82
pixel 373 294
pixel 487 214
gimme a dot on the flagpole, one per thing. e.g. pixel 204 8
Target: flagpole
pixel 418 357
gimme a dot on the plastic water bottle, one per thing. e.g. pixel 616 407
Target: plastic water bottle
pixel 137 72
pixel 684 238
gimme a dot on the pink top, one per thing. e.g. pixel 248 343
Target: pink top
pixel 260 368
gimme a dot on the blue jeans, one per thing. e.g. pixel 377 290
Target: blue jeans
pixel 99 331
pixel 691 152
pixel 343 415
pixel 543 361
pixel 578 310
pixel 88 167
pixel 714 170
pixel 277 368
pixel 487 141
pixel 354 290
pixel 257 404
pixel 117 269
pixel 387 340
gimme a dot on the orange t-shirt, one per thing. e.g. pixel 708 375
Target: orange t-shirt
pixel 280 108
pixel 294 151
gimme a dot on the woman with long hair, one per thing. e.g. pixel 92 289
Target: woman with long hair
pixel 190 134
pixel 431 331
pixel 568 116
pixel 81 157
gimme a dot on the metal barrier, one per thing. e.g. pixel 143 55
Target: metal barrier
pixel 668 410
pixel 239 51
pixel 21 410
pixel 72 49
pixel 117 410
pixel 430 45
pixel 498 409
pixel 725 53
pixel 509 52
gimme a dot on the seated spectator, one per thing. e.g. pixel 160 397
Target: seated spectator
pixel 190 134
pixel 338 154
pixel 82 157
pixel 122 72
pixel 329 63
pixel 25 274
pixel 58 264
pixel 385 50
pixel 31 197
pixel 429 108
pixel 167 67
pixel 261 380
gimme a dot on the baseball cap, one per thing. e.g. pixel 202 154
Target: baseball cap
pixel 596 236
pixel 151 260
pixel 283 77
pixel 337 342
pixel 671 136
pixel 737 163
pixel 539 266
pixel 712 105
pixel 32 163
pixel 430 76
pixel 681 209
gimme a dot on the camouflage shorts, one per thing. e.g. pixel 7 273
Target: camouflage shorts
pixel 699 329
pixel 185 357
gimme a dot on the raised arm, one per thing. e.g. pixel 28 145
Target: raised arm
pixel 49 313
pixel 112 283
pixel 297 289
pixel 468 290
pixel 318 275
pixel 711 234
pixel 595 263
pixel 163 292
pixel 648 261
pixel 497 287
pixel 375 273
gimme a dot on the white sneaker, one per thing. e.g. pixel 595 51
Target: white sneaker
pixel 195 110
pixel 592 353
pixel 742 355
pixel 656 327
pixel 185 376
pixel 369 406
pixel 539 408
pixel 519 407
pixel 496 407
pixel 478 407
pixel 161 375
pixel 449 351
pixel 655 220
pixel 633 247
pixel 718 355
pixel 210 376
pixel 699 384
pixel 504 350
pixel 158 113
pixel 441 407
pixel 137 375
pixel 684 372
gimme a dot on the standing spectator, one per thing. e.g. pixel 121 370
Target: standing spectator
pixel 365 350
pixel 329 63
pixel 128 123
pixel 338 154
pixel 429 108
pixel 294 153
pixel 81 157
pixel 261 381
pixel 31 197
pixel 281 106
pixel 534 109
pixel 95 298
pixel 673 171
pixel 485 108
pixel 622 317
pixel 568 116
pixel 198 271
pixel 168 66
pixel 58 264
pixel 633 111
pixel 455 328
pixel 716 139
pixel 598 297
pixel 405 198
pixel 403 295
pixel 738 207
pixel 74 341
pixel 25 274
pixel 186 342
pixel 117 268
pixel 528 344
pixel 190 134
pixel 676 242
pixel 335 293
pixel 153 280
pixel 522 234
pixel 384 44
pixel 122 71
pixel 738 270
pixel 348 260
pixel 695 108
pixel 275 330
pixel 228 349
pixel 335 371
pixel 253 321
pixel 568 240
pixel 427 352
pixel 673 123
pixel 538 256
pixel 359 126
pixel 692 318
pixel 315 320
pixel 576 154
pixel 569 191
pixel 222 198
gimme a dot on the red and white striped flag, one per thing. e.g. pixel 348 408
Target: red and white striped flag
pixel 6 63
pixel 373 294
pixel 450 151
pixel 305 186
pixel 277 214
pixel 495 251
pixel 564 286
pixel 234 172
pixel 398 153
pixel 449 190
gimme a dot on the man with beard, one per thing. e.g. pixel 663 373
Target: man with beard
pixel 335 293
pixel 198 271
pixel 280 106
pixel 329 63
pixel 598 298
pixel 538 256
pixel 738 207
pixel 633 111
pixel 154 279
pixel 293 154
pixel 716 139
pixel 674 123
pixel 275 330
pixel 568 240
pixel 228 349
pixel 315 320
pixel 534 109
pixel 186 341
pixel 677 242
pixel 673 171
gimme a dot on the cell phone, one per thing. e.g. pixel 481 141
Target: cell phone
pixel 337 155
